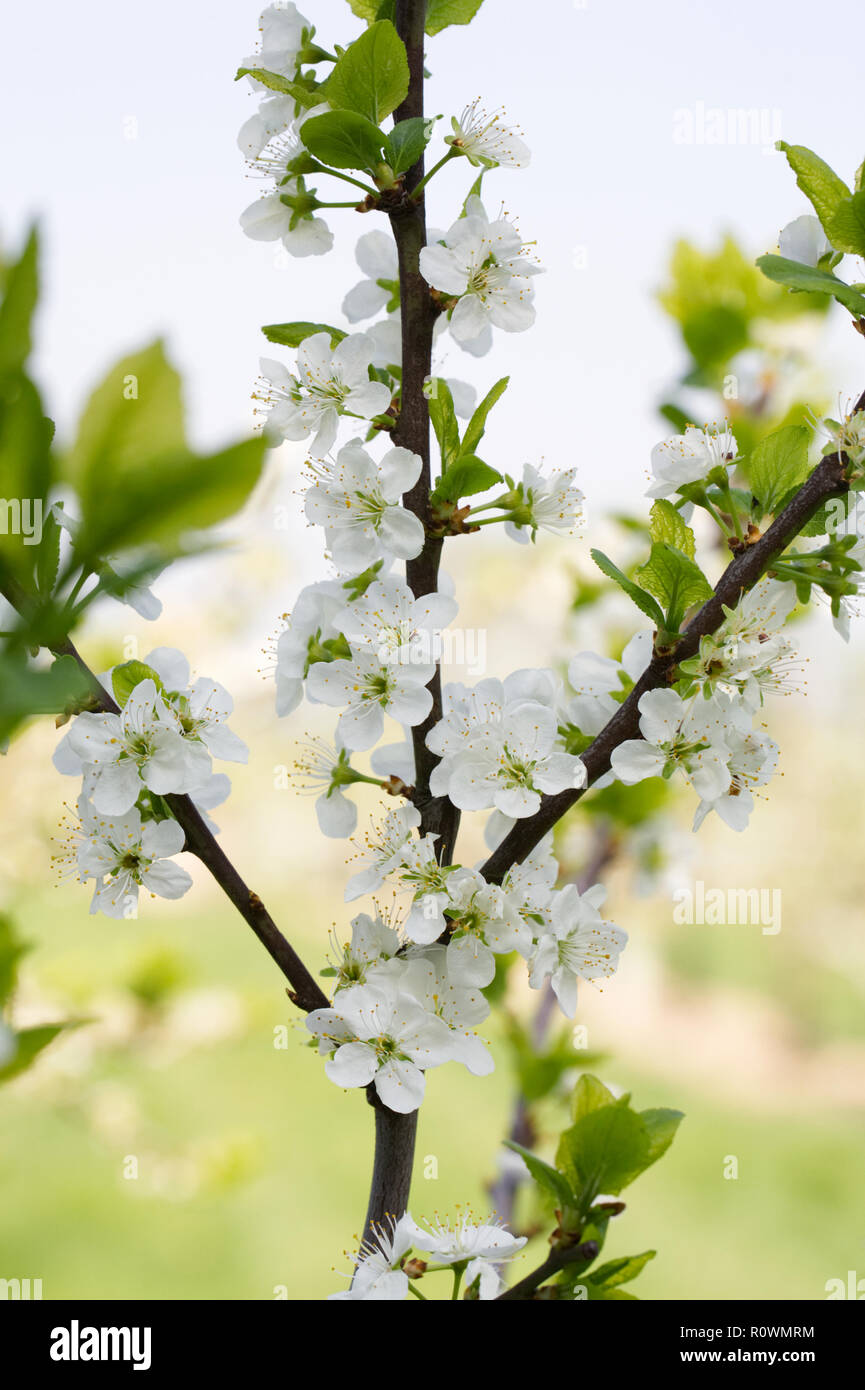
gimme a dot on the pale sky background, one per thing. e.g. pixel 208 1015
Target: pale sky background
pixel 141 233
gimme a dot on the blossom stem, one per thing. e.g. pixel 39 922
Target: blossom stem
pixel 418 188
pixel 733 511
pixel 347 178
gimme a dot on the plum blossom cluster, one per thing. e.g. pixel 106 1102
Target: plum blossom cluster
pixel 408 992
pixel 161 742
pixel 558 932
pixel 472 1251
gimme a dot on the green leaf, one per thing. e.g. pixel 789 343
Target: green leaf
pixel 477 424
pixel 48 556
pixel 27 690
pixel 778 463
pixel 661 1127
pixel 468 476
pixel 134 414
pixel 25 473
pixel 813 280
pixel 293 334
pixel 304 96
pixel 444 421
pixel 406 143
pixel 846 227
pixel 125 678
pixel 675 579
pixel 715 333
pixel 589 1094
pixel 644 601
pixel 32 1041
pixel 441 13
pixel 12 948
pixel 820 184
pixel 20 294
pixel 603 1150
pixel 372 76
pixel 176 494
pixel 344 139
pixel 667 524
pixel 621 1271
pixel 138 481
pixel 544 1175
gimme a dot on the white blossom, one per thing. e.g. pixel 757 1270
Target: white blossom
pixel 576 945
pixel 400 628
pixel 752 762
pixel 330 382
pixel 202 708
pixel 677 735
pixel 553 504
pixel 427 979
pixel 485 139
pixel 379 1034
pixel 485 924
pixel 376 255
pixel 804 240
pixel 511 763
pixel 366 689
pixel 123 855
pixel 482 265
pixel 358 502
pixel 378 1276
pixel 382 852
pixel 484 1245
pixel 690 458
pixel 143 746
pixel 598 684
pixel 309 625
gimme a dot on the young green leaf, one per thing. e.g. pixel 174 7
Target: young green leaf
pixel 667 524
pixel 125 678
pixel 603 1150
pixel 30 1042
pixel 778 463
pixel 344 140
pixel 442 13
pixel 468 476
pixel 48 556
pixel 846 229
pixel 644 601
pixel 372 77
pixel 820 184
pixel 676 581
pixel 444 421
pixel 661 1127
pixel 293 334
pixel 547 1177
pixel 813 280
pixel 477 424
pixel 303 95
pixel 621 1271
pixel 20 293
pixel 406 143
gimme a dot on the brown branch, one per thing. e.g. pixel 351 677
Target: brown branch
pixel 557 1260
pixel 741 574
pixel 395 1134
